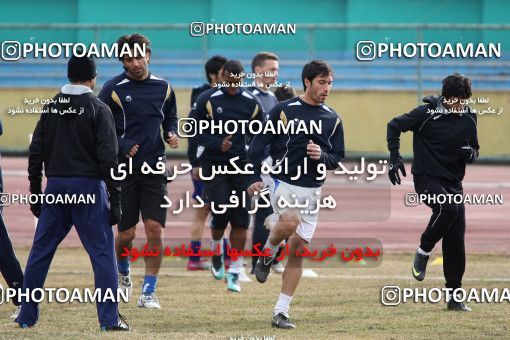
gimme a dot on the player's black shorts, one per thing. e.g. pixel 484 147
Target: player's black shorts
pixel 218 190
pixel 142 193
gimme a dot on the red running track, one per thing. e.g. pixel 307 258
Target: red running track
pixel 365 210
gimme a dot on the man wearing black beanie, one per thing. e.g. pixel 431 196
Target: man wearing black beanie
pixel 75 139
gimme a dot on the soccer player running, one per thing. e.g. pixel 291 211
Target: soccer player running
pixel 142 104
pixel 444 140
pixel 213 68
pixel 233 104
pixel 325 150
pixel 75 141
pixel 265 67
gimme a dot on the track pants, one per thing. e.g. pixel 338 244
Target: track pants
pixel 447 223
pixel 96 235
pixel 9 264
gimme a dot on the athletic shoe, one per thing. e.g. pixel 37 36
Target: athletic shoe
pixel 243 277
pixel 121 325
pixel 278 268
pixel 420 266
pixel 233 282
pixel 25 325
pixel 227 263
pixel 218 268
pixel 281 320
pixel 457 306
pixel 262 268
pixel 16 313
pixel 309 273
pixel 125 283
pixel 149 301
pixel 198 265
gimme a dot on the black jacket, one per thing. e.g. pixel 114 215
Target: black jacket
pixel 437 139
pixel 74 144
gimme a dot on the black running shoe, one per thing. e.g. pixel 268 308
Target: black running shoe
pixel 420 266
pixel 458 306
pixel 121 326
pixel 263 267
pixel 217 268
pixel 280 320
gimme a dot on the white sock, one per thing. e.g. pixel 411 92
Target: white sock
pixel 216 243
pixel 423 252
pixel 236 266
pixel 274 249
pixel 283 304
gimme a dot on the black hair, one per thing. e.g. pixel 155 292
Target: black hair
pixel 214 65
pixel 314 69
pixel 233 66
pixel 456 85
pixel 131 41
pixel 284 92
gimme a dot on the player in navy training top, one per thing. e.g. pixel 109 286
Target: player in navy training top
pixel 265 68
pixel 325 149
pixel 213 68
pixel 142 104
pixel 233 104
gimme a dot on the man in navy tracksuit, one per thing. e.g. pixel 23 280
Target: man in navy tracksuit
pixel 142 104
pixel 75 141
pixel 265 67
pixel 229 103
pixel 444 140
pixel 9 264
pixel 213 68
pixel 323 149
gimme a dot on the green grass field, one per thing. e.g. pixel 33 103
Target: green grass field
pixel 341 303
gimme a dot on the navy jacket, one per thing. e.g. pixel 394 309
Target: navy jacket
pixel 141 109
pixel 293 146
pixel 216 105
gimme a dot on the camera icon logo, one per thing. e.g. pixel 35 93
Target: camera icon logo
pixel 390 295
pixel 187 127
pixel 5 199
pixel 11 50
pixel 365 50
pixel 411 199
pixel 197 29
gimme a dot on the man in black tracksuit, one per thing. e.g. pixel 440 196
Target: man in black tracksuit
pixel 444 140
pixel 76 143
